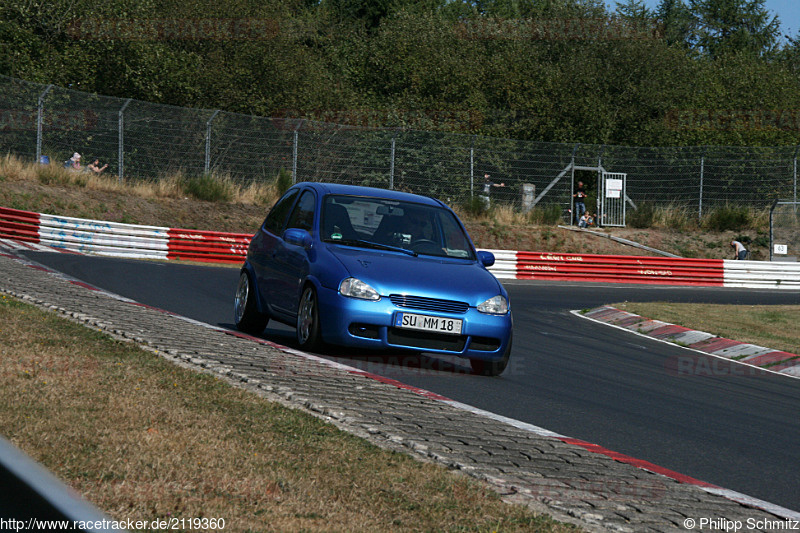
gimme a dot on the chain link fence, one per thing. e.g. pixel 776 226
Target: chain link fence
pixel 784 231
pixel 147 141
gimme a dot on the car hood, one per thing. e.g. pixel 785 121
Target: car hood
pixel 432 277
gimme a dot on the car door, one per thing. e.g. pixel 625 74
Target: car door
pixel 290 261
pixel 265 245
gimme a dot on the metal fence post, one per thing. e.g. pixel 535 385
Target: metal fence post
pixel 391 163
pixel 572 185
pixel 771 228
pixel 208 141
pixel 702 172
pixel 472 168
pixel 39 117
pixel 294 152
pixel 600 170
pixel 794 180
pixel 121 160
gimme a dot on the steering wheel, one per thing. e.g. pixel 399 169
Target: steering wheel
pixel 422 243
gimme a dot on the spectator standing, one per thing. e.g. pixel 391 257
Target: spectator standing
pixel 487 189
pixel 580 201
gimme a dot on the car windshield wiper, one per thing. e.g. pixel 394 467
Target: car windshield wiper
pixel 370 244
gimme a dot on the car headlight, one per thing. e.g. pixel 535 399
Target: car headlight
pixel 496 305
pixel 355 288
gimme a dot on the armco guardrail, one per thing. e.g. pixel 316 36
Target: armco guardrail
pixel 154 242
pixel 122 240
pixel 758 274
pixel 609 268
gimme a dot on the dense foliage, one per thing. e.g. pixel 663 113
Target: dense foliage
pixel 692 72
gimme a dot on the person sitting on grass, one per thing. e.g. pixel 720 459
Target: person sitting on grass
pixel 585 220
pixel 95 167
pixel 74 163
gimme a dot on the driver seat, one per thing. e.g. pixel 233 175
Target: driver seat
pixel 337 220
pixel 388 227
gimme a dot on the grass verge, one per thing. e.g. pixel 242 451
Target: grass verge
pixel 143 439
pixel 771 326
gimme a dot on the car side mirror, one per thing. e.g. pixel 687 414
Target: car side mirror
pixel 486 258
pixel 298 237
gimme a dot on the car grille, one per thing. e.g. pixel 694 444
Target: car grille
pixel 428 304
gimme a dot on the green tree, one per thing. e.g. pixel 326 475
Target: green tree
pixel 733 26
pixel 634 9
pixel 676 22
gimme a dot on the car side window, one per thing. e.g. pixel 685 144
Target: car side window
pixel 456 243
pixel 277 215
pixel 303 214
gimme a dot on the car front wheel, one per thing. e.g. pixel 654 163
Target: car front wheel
pixel 245 315
pixel 308 335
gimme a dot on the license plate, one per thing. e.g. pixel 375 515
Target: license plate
pixel 450 326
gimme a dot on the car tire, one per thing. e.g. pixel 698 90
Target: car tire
pixel 308 335
pixel 492 368
pixel 245 315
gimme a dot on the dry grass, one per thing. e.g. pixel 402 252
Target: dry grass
pixel 771 326
pixel 675 217
pixel 13 169
pixel 506 216
pixel 143 439
pixel 170 185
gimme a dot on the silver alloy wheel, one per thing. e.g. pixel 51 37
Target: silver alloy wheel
pixel 242 293
pixel 305 316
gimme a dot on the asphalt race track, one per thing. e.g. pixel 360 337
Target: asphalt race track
pixel 713 420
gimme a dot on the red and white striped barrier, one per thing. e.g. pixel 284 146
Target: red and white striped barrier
pixel 155 242
pixel 210 246
pixel 609 268
pixel 115 239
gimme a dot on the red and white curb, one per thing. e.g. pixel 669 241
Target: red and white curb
pixel 10 246
pixel 594 448
pixel 749 355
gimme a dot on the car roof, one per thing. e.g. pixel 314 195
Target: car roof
pixel 357 190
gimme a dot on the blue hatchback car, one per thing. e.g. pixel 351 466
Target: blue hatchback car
pixel 375 269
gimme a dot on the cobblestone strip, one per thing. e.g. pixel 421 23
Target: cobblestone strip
pixel 549 475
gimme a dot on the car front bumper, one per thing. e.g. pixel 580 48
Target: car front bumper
pixel 368 324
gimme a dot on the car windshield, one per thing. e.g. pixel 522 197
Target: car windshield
pixel 391 224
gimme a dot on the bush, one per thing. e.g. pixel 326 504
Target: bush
pixel 678 217
pixel 727 218
pixel 283 181
pixel 549 215
pixel 474 206
pixel 208 188
pixel 642 217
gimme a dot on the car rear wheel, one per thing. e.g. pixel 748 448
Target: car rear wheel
pixel 308 335
pixel 245 315
pixel 492 368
